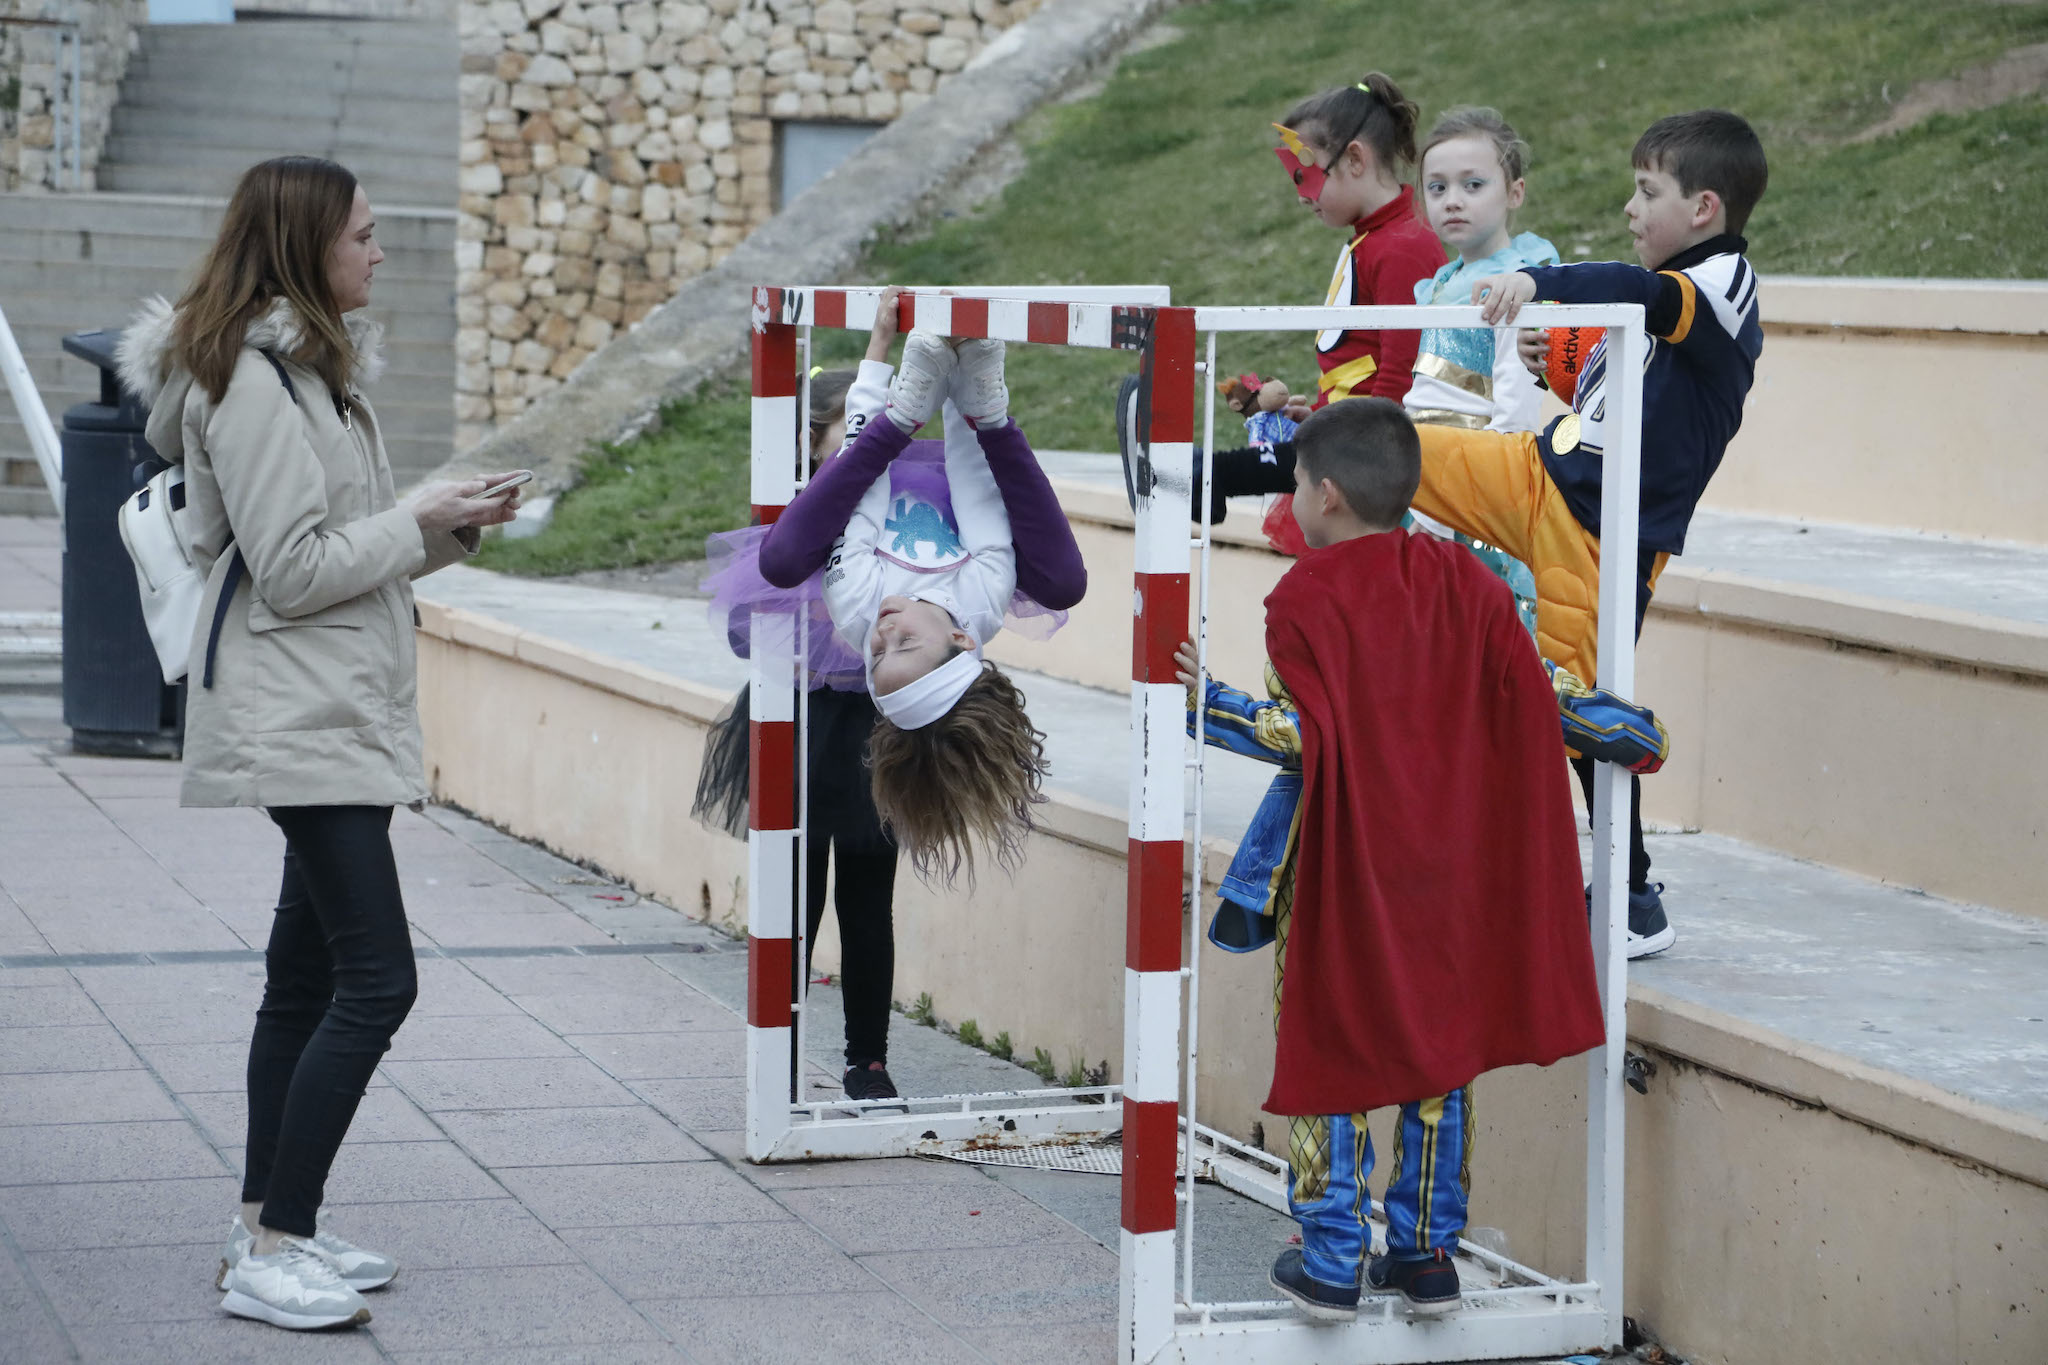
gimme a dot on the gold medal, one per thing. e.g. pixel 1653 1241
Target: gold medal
pixel 1564 437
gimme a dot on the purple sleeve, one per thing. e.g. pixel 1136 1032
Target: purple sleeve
pixel 797 545
pixel 1049 567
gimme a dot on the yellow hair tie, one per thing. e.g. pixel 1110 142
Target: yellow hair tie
pixel 817 370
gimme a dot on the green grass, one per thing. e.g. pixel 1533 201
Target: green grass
pixel 651 500
pixel 1167 176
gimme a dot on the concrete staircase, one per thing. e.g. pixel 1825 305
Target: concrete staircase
pixel 201 104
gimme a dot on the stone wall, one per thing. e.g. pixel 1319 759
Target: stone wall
pixel 611 151
pixel 29 70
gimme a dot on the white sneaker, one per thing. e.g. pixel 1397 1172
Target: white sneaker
pixel 359 1269
pixel 296 1287
pixel 920 382
pixel 978 388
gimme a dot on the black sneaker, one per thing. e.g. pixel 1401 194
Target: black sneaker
pixel 1427 1286
pixel 869 1082
pixel 1649 932
pixel 1323 1302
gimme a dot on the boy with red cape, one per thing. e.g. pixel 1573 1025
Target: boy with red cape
pixel 1424 897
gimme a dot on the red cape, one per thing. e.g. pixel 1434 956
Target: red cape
pixel 1439 926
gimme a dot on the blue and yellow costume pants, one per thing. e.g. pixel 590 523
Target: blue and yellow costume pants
pixel 1329 1158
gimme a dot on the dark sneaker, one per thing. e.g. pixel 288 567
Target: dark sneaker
pixel 1649 932
pixel 1427 1286
pixel 1323 1302
pixel 869 1082
pixel 1129 441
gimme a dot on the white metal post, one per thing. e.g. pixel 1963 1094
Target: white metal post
pixel 1153 949
pixel 1197 764
pixel 774 817
pixel 1620 484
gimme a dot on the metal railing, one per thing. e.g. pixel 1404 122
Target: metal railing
pixel 35 418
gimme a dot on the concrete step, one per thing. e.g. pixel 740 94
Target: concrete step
pixel 418 438
pixel 428 127
pixel 411 277
pixel 274 36
pixel 384 187
pixel 151 216
pixel 379 170
pixel 122 248
pixel 423 48
pixel 26 501
pixel 47 318
pixel 227 90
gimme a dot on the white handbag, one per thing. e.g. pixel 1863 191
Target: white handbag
pixel 153 528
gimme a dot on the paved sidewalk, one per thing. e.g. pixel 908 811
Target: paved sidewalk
pixel 551 1146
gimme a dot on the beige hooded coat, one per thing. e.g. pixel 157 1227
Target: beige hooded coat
pixel 314 690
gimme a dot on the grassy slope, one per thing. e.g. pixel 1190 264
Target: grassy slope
pixel 1167 175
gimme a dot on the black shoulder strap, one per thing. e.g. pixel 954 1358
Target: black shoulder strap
pixel 237 566
pixel 283 376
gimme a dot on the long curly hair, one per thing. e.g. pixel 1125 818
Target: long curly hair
pixel 968 779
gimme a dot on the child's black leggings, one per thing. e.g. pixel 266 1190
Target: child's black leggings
pixel 864 895
pixel 1638 856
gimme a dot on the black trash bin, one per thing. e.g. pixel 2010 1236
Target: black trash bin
pixel 115 700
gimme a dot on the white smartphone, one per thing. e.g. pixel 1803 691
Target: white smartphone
pixel 498 489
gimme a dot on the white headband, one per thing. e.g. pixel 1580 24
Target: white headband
pixel 917 704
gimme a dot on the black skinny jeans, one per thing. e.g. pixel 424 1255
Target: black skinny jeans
pixel 864 895
pixel 339 980
pixel 1257 470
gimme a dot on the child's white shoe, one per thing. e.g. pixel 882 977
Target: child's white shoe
pixel 978 388
pixel 920 382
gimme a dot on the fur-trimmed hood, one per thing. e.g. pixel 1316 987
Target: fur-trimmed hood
pixel 144 355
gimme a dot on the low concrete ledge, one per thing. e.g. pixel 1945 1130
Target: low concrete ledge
pixel 1875 303
pixel 1973 639
pixel 1906 1108
pixel 633 682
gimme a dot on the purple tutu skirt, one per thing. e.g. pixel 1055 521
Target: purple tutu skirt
pixel 738 590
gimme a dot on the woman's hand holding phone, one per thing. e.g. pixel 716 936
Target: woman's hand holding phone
pixel 452 505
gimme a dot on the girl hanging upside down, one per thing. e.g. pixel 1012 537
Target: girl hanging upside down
pixel 925 551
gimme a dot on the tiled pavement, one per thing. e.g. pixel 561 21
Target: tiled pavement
pixel 551 1146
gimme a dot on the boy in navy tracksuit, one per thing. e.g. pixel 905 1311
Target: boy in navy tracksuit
pixel 1537 496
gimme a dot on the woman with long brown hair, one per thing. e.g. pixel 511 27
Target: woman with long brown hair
pixel 304 684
